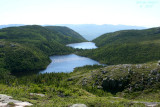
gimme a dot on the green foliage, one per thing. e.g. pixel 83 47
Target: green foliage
pixel 27 48
pixel 70 35
pixel 64 89
pixel 132 46
pixel 125 53
pixel 128 36
pixel 11 104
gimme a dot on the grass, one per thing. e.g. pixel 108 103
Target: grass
pixel 65 89
pixel 22 93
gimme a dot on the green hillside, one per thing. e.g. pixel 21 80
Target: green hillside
pixel 128 46
pixel 74 36
pixel 128 36
pixel 27 48
pixel 125 85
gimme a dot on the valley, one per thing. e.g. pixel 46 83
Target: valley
pixel 130 77
pixel 67 63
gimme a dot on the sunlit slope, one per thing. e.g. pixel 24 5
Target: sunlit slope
pixel 73 36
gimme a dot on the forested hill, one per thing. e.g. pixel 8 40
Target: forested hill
pixel 128 36
pixel 27 48
pixel 66 31
pixel 127 46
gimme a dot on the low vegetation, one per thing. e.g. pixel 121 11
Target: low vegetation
pixel 118 85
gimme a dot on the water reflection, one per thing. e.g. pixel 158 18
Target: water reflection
pixel 83 45
pixel 67 63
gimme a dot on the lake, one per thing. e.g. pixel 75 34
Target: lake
pixel 83 45
pixel 67 63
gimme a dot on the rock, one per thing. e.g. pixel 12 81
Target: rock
pixel 12 45
pixel 138 66
pixel 104 72
pixel 158 77
pixel 97 82
pixel 126 65
pixel 154 72
pixel 23 104
pixel 6 100
pixel 3 104
pixel 42 95
pixel 151 104
pixel 78 105
pixel 84 81
pixel 148 104
pixel 99 87
pixel 93 71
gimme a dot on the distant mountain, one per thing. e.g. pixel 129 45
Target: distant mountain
pixel 89 31
pixel 92 31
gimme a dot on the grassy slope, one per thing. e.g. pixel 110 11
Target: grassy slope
pixel 130 46
pixel 81 86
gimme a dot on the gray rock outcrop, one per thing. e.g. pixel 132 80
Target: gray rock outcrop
pixel 78 105
pixel 5 100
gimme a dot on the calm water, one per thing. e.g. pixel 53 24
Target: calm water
pixel 67 63
pixel 83 45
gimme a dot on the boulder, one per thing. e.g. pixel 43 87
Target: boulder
pixel 99 87
pixel 42 95
pixel 78 105
pixel 5 101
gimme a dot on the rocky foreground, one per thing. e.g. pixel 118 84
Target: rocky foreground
pixel 6 101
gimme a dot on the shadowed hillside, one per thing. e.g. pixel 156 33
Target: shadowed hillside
pixel 27 48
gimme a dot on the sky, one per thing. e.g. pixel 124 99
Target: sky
pixel 126 12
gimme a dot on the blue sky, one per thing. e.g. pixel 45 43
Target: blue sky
pixel 126 12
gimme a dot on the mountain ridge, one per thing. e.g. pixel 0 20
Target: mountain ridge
pixel 89 31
